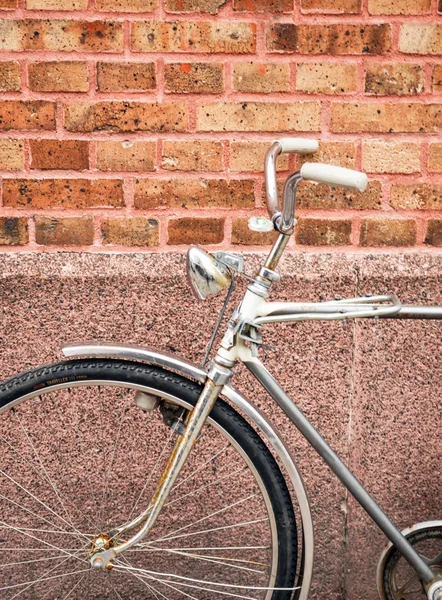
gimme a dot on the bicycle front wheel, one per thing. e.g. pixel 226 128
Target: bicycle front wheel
pixel 83 444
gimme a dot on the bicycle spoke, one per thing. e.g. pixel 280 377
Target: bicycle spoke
pixel 75 586
pixel 28 562
pixel 34 514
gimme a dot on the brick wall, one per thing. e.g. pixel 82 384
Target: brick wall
pixel 143 123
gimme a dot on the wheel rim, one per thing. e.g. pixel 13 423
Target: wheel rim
pixel 233 538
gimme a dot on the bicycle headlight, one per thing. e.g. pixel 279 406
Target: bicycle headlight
pixel 206 276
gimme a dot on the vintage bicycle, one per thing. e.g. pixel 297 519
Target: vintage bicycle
pixel 131 473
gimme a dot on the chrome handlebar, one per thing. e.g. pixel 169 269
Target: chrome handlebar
pixel 320 173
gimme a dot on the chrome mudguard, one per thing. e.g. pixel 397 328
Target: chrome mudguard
pixel 188 369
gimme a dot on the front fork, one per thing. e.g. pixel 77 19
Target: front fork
pixel 218 376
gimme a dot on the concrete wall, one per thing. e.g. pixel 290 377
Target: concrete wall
pixel 373 389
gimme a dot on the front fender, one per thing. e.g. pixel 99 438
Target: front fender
pixel 269 432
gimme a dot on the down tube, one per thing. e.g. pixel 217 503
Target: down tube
pixel 339 468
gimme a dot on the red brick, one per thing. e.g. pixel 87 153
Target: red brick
pixel 68 231
pixel 391 157
pixel 192 156
pixel 56 4
pixel 341 154
pixel 419 196
pixel 123 77
pixel 433 236
pixel 126 116
pixel 12 155
pixel 266 6
pixel 201 6
pixel 194 193
pixel 27 114
pixel 66 193
pixel 332 6
pixel 386 118
pixel 437 78
pixel 133 231
pixel 249 156
pixel 326 78
pixel 194 78
pixel 261 78
pixel 126 156
pixel 127 5
pixel 329 198
pixel 435 157
pixel 59 154
pixel 323 232
pixel 70 76
pixel 336 38
pixel 388 232
pixel 399 7
pixel 195 231
pixel 420 38
pixel 241 234
pixel 10 77
pixel 394 79
pixel 259 116
pixel 13 231
pixel 61 35
pixel 185 36
pixel 8 4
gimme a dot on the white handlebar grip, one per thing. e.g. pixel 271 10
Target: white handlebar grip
pixel 336 176
pixel 298 145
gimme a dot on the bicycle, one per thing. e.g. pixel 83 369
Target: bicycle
pixel 218 521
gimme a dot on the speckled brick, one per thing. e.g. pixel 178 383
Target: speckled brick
pixel 325 197
pixel 420 38
pixel 391 157
pixel 259 116
pixel 67 231
pixel 433 234
pixel 200 6
pixel 192 156
pixel 187 231
pixel 249 156
pixel 341 154
pixel 326 78
pixel 10 76
pixel 331 6
pixel 435 157
pixel 59 154
pixel 126 116
pixel 187 78
pixel 124 77
pixel 221 37
pixel 8 4
pixel 127 5
pixel 399 7
pixel 133 231
pixel 388 232
pixel 323 232
pixel 67 76
pixel 418 196
pixel 241 234
pixel 194 193
pixel 27 114
pixel 333 39
pixel 437 78
pixel 262 78
pixel 126 156
pixel 394 79
pixel 61 35
pixel 12 155
pixel 56 4
pixel 64 193
pixel 13 231
pixel 386 118
pixel 263 6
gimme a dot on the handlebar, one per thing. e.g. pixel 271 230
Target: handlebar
pixel 318 172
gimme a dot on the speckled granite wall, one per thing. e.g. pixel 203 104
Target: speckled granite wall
pixel 373 389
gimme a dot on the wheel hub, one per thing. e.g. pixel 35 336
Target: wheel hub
pixel 98 553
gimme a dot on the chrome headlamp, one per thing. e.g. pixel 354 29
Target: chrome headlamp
pixel 205 274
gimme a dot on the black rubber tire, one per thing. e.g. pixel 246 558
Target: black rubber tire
pixel 165 381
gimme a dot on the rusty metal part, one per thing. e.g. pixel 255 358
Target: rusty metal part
pixel 194 422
